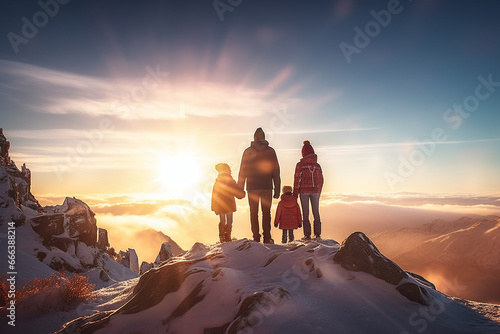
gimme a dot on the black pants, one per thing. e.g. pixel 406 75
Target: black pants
pixel 265 197
pixel 286 232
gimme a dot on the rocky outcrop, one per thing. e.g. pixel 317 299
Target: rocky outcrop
pixel 134 260
pixel 358 253
pixel 164 254
pixel 4 149
pixel 15 186
pixel 145 266
pixel 129 259
pixel 102 241
pixel 10 208
pixel 70 228
pixel 48 226
pixel 73 220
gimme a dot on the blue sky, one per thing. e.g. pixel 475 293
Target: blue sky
pixel 280 66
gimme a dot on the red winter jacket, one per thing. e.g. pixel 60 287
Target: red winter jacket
pixel 308 178
pixel 288 214
pixel 223 193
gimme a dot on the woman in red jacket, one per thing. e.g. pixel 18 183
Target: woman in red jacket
pixel 308 183
pixel 288 216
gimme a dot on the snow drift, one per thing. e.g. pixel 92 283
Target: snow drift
pixel 314 287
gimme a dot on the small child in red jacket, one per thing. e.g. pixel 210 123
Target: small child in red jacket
pixel 223 202
pixel 288 216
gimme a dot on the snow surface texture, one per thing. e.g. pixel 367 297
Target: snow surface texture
pixel 248 287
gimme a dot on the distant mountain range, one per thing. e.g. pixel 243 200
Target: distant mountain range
pixel 461 257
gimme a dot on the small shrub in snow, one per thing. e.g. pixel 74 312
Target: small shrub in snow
pixel 52 293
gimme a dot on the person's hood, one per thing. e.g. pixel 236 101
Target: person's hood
pixel 288 201
pixel 260 145
pixel 310 158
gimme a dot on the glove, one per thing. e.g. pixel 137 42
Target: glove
pixel 300 225
pixel 276 194
pixel 275 225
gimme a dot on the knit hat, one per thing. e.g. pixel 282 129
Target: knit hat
pixel 287 189
pixel 223 167
pixel 259 134
pixel 307 148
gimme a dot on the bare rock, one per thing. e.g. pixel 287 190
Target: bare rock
pixel 81 221
pixel 48 225
pixel 10 207
pixel 358 253
pixel 4 149
pixel 145 266
pixel 102 241
pixel 164 254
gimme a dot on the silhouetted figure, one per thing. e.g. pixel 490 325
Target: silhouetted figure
pixel 308 182
pixel 223 202
pixel 261 171
pixel 288 216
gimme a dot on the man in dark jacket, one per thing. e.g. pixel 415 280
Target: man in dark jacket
pixel 260 169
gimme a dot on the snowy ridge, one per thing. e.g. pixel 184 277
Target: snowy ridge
pixel 248 287
pixel 462 256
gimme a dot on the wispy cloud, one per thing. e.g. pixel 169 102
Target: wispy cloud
pixel 417 199
pixel 395 145
pixel 300 132
pixel 152 95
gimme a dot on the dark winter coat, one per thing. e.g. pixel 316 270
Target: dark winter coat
pixel 259 167
pixel 288 214
pixel 308 178
pixel 223 193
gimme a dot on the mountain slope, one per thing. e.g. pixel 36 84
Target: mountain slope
pixel 248 287
pixel 461 257
pixel 145 238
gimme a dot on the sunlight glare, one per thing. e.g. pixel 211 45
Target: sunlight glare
pixel 180 172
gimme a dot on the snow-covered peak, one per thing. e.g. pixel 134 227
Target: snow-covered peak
pixel 249 287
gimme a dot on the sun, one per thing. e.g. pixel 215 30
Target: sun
pixel 179 172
